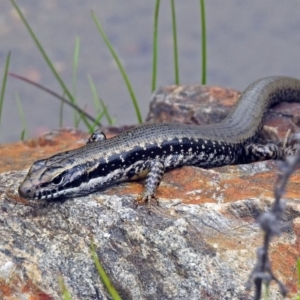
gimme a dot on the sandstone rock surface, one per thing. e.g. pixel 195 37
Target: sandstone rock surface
pixel 200 242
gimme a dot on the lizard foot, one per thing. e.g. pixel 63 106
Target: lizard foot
pixel 292 145
pixel 146 198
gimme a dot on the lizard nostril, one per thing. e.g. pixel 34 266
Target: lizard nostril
pixel 24 191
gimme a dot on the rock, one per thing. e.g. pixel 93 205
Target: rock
pixel 199 243
pixel 199 104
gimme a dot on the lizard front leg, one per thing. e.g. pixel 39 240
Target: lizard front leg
pixel 156 171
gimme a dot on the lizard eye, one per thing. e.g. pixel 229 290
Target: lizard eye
pixel 58 179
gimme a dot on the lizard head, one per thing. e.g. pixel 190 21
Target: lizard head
pixel 50 182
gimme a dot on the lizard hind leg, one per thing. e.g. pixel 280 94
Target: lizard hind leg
pixel 257 152
pixel 156 170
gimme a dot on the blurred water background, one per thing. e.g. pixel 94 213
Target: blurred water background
pixel 246 40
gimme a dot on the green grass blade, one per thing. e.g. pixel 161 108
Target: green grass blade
pixel 65 293
pixel 42 51
pixel 99 117
pixel 84 114
pixel 110 119
pixel 22 116
pixel 203 41
pixel 298 273
pixel 23 135
pixel 4 80
pixel 105 279
pixel 154 50
pixel 265 288
pixel 120 66
pixel 75 66
pixel 98 100
pixel 176 65
pixel 74 77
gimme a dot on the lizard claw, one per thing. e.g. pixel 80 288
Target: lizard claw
pixel 146 198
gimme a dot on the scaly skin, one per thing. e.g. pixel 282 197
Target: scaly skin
pixel 151 149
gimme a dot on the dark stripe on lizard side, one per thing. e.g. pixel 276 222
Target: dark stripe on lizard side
pixel 150 149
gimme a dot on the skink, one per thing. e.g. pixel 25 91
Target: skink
pixel 151 149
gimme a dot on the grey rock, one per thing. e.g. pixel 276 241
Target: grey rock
pixel 168 254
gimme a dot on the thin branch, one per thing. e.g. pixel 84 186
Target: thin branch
pixel 270 224
pixel 81 111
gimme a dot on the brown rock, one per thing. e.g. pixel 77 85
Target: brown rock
pixel 200 243
pixel 191 104
pixel 198 104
